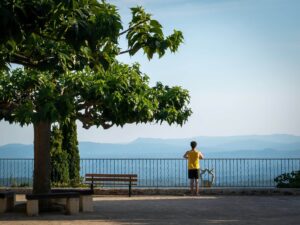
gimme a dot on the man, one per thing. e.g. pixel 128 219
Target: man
pixel 193 157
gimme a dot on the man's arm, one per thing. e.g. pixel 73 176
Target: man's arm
pixel 201 155
pixel 186 155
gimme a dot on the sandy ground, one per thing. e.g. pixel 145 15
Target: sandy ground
pixel 144 210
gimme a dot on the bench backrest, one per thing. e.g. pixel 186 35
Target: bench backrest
pixel 100 178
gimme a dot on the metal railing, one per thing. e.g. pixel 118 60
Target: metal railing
pixel 171 173
pixel 16 172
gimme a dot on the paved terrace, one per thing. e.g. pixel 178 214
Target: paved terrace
pixel 144 210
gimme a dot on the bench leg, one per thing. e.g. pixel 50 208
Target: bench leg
pixel 3 205
pixel 129 191
pixel 32 207
pixel 72 206
pixel 86 203
pixel 11 203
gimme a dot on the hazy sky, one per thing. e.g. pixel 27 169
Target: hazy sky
pixel 240 61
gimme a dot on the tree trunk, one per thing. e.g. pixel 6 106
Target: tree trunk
pixel 41 176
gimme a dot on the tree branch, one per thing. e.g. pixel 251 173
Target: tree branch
pixel 130 28
pixel 88 121
pixel 26 61
pixel 22 60
pixel 123 52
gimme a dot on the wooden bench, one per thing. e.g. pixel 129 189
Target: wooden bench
pixel 7 201
pixel 85 199
pixel 72 204
pixel 111 179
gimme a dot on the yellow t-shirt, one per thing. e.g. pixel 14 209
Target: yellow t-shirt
pixel 193 160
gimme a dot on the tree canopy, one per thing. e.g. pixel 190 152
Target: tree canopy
pixel 116 96
pixel 60 35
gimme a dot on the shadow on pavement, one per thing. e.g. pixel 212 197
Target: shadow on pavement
pixel 174 210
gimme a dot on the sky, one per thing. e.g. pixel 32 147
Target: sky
pixel 240 60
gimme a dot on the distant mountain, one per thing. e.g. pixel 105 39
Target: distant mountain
pixel 251 146
pixel 245 141
pixel 16 151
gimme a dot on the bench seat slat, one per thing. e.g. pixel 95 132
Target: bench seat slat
pixel 81 192
pixel 114 184
pixel 52 195
pixel 6 194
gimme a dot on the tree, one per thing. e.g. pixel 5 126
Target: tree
pixel 70 147
pixel 69 51
pixel 288 180
pixel 59 158
pixel 65 160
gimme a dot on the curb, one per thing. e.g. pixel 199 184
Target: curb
pixel 181 191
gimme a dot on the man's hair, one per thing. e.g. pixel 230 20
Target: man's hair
pixel 193 144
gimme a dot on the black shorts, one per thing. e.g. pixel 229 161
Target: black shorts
pixel 193 174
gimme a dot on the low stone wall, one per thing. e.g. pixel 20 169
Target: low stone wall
pixel 202 191
pixel 183 191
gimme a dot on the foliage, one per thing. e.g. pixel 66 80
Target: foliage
pixel 59 35
pixel 122 95
pixel 78 184
pixel 24 184
pixel 55 34
pixel 147 34
pixel 288 180
pixel 70 146
pixel 116 96
pixel 27 96
pixel 59 158
pixel 13 181
pixel 65 160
